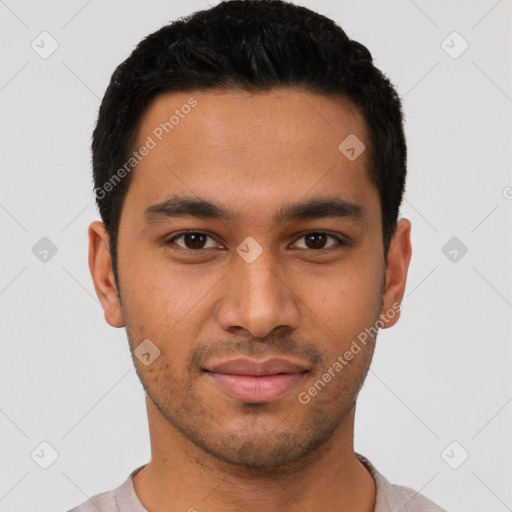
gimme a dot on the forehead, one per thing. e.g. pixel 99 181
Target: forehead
pixel 250 150
pixel 285 115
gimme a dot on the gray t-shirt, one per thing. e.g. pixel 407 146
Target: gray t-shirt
pixel 390 498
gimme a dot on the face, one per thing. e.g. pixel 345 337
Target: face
pixel 250 255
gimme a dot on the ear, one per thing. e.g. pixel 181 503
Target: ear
pixel 100 265
pixel 399 256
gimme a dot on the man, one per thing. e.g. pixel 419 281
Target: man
pixel 249 164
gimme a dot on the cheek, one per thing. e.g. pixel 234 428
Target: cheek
pixel 345 300
pixel 157 293
pixel 167 306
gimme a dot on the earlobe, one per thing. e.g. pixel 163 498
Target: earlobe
pixel 399 257
pixel 100 266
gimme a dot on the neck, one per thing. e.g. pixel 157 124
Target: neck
pixel 181 476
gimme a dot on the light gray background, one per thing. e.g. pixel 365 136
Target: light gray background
pixel 441 375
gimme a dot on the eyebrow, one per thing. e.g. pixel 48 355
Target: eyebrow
pixel 316 208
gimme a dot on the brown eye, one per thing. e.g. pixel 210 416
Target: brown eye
pixel 316 240
pixel 192 240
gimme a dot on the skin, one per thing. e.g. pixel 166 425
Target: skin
pixel 252 153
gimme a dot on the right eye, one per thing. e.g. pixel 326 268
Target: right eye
pixel 192 240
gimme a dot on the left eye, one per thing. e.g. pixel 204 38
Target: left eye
pixel 196 240
pixel 318 238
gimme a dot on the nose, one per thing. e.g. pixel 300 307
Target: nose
pixel 258 299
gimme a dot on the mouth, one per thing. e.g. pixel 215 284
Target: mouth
pixel 256 381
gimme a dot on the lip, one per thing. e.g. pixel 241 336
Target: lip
pixel 271 366
pixel 257 381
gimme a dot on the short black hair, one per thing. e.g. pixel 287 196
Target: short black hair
pixel 255 46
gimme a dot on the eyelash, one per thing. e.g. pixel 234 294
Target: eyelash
pixel 340 241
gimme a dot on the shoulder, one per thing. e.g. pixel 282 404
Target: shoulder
pixel 405 499
pixel 105 501
pixel 121 499
pixel 392 498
